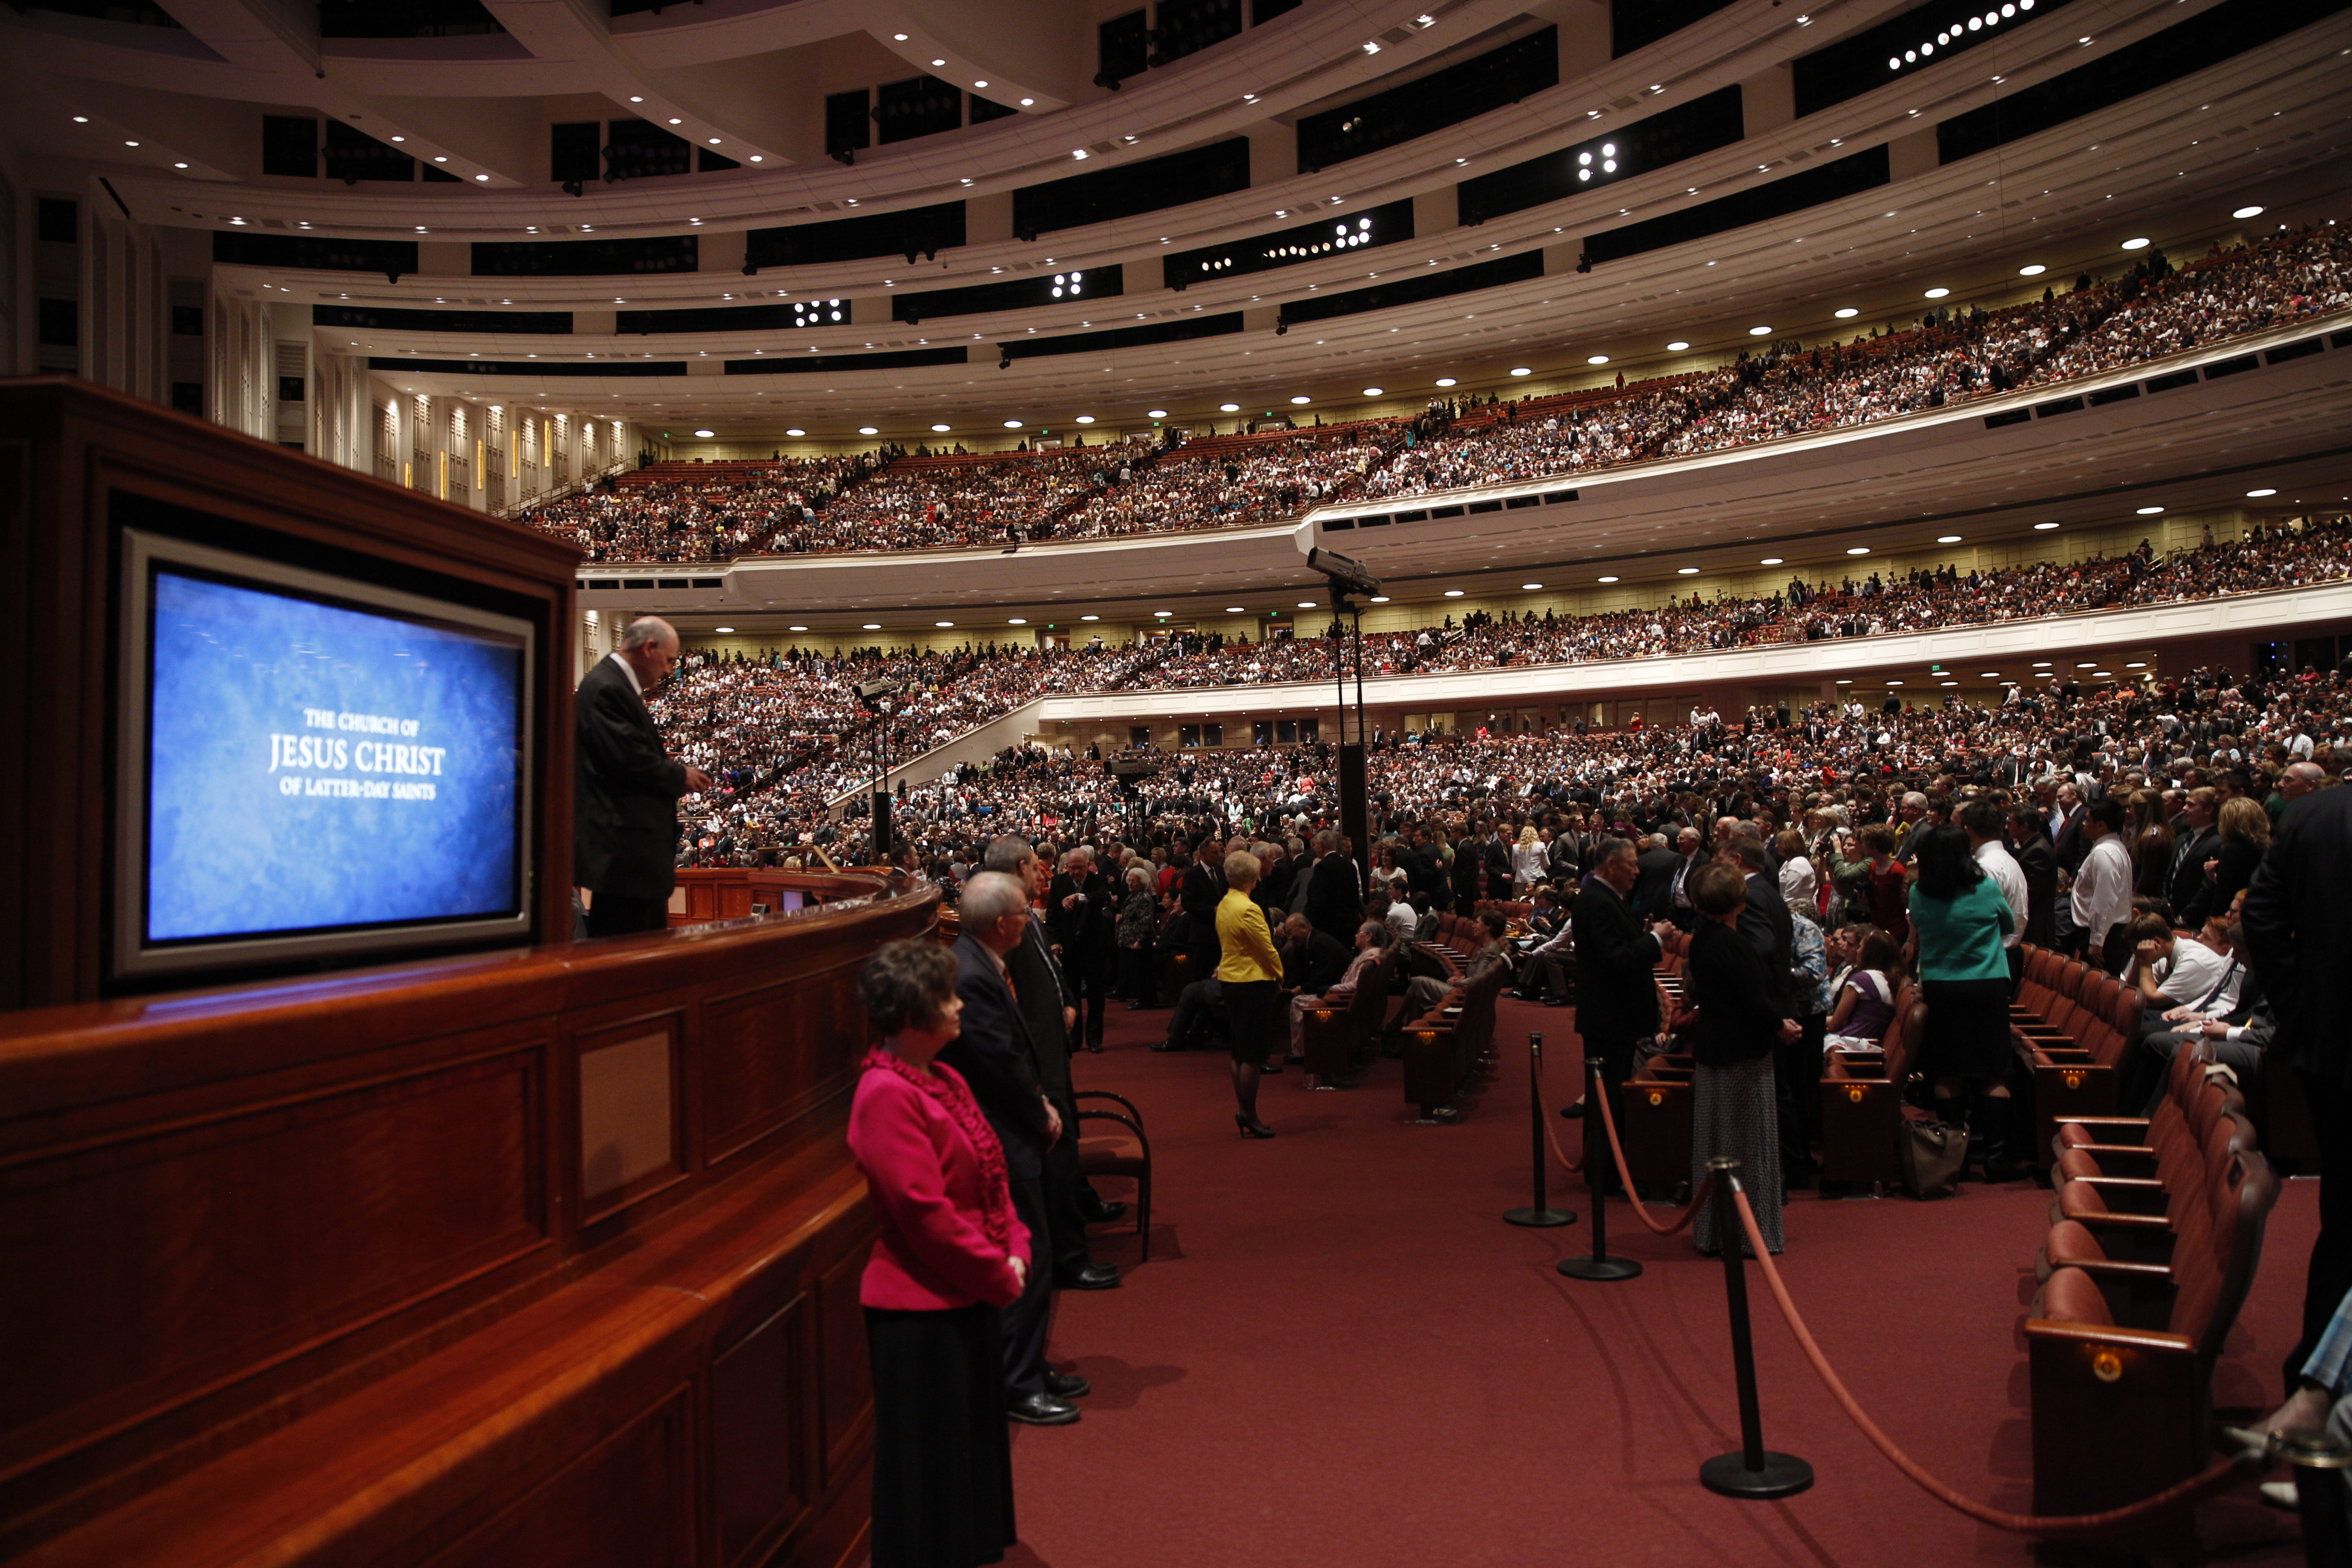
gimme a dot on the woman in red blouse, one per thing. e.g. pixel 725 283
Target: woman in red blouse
pixel 951 1252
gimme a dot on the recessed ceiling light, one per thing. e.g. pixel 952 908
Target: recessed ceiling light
pixel 868 430
pixel 2146 510
pixel 1845 680
pixel 634 98
pixel 400 138
pixel 2034 270
pixel 2258 495
pixel 2247 212
pixel 2136 244
pixel 184 166
pixel 1893 683
pixel 1300 398
pixel 1236 610
pixel 1371 392
pixel 980 84
pixel 2043 527
pixel 942 623
pixel 1522 370
pixel 1845 313
pixel 1686 571
pixel 1090 617
pixel 873 625
pixel 1086 418
pixel 1596 359
pixel 1229 407
pixel 1155 413
pixel 795 432
pixel 2040 664
pixel 1163 614
pixel 1987 675
pixel 1678 345
pixel 1012 424
pixel 1452 593
pixel 1937 293
pixel 1306 603
pixel 1774 561
pixel 1027 102
pixel 900 37
pixel 1858 550
pixel 725 628
pixel 2088 664
pixel 1604 579
pixel 940 429
pixel 796 628
pixel 1445 381
pixel 81 119
pixel 1016 620
pixel 938 62
pixel 2136 664
pixel 1759 331
pixel 1379 599
pixel 706 434
pixel 1947 539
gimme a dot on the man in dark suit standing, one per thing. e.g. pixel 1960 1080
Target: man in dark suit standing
pixel 1201 890
pixel 1078 909
pixel 2029 847
pixel 625 787
pixel 1048 1005
pixel 1335 892
pixel 993 1055
pixel 1654 886
pixel 2199 841
pixel 1616 974
pixel 2298 941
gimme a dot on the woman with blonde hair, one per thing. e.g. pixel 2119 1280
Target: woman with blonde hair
pixel 1250 975
pixel 1530 861
pixel 2245 838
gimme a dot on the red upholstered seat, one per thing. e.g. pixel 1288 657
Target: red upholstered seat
pixel 1117 1147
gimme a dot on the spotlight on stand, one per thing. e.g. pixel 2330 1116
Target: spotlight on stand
pixel 1348 575
pixel 874 693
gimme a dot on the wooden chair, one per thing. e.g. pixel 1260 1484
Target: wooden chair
pixel 1126 1152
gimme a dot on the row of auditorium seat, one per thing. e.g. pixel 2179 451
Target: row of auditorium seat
pixel 2156 1233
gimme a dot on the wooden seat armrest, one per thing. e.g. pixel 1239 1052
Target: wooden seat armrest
pixel 2105 1153
pixel 2155 1342
pixel 2103 1125
pixel 2065 1057
pixel 2142 1223
pixel 2105 1269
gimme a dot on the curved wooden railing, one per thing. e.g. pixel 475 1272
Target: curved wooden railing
pixel 548 1255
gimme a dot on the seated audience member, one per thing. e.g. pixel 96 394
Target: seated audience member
pixel 2171 971
pixel 1426 991
pixel 1372 944
pixel 1866 1001
pixel 1312 962
pixel 2318 1404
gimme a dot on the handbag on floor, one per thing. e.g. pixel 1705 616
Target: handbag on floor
pixel 1929 1155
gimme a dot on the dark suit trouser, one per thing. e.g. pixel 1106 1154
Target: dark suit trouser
pixel 2330 1273
pixel 1026 1318
pixel 1064 1210
pixel 613 915
pixel 1616 1053
pixel 1090 984
pixel 1797 1077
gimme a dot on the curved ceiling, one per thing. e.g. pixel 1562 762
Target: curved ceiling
pixel 2266 127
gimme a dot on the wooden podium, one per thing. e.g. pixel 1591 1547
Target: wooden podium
pixel 543 1254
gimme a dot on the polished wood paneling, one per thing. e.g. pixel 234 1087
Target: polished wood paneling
pixel 337 1270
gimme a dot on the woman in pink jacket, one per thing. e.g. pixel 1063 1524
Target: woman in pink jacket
pixel 950 1253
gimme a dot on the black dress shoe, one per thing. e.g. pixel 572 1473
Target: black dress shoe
pixel 1092 1277
pixel 1068 1385
pixel 1573 1112
pixel 1104 1214
pixel 1041 1410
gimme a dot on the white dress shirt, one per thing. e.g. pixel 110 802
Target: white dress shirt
pixel 2002 867
pixel 2103 890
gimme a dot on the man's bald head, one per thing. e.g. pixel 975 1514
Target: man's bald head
pixel 649 648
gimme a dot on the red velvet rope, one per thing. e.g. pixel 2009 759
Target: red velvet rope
pixel 2220 1474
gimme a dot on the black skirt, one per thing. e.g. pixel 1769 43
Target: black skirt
pixel 1249 1017
pixel 1968 1028
pixel 942 1450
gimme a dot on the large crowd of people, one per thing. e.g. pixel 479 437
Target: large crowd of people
pixel 882 499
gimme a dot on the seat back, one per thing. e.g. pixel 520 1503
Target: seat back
pixel 2214 1268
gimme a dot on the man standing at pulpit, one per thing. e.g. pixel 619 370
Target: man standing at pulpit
pixel 625 787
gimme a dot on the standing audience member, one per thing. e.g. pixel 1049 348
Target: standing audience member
pixel 993 1056
pixel 1250 975
pixel 1138 929
pixel 2103 888
pixel 1616 969
pixel 2029 847
pixel 951 1253
pixel 1959 917
pixel 2245 837
pixel 1739 1024
pixel 2298 941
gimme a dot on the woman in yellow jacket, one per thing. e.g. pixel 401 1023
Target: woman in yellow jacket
pixel 1250 975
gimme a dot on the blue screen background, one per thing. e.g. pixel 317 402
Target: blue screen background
pixel 229 854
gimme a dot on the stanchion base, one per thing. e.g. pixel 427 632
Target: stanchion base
pixel 1591 1267
pixel 1538 1216
pixel 1783 1475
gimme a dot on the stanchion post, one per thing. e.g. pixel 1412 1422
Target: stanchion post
pixel 1752 1471
pixel 2320 1462
pixel 1597 1166
pixel 1537 1212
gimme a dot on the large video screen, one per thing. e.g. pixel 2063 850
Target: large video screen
pixel 323 766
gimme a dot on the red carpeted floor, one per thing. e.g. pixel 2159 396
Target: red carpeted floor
pixel 1338 1355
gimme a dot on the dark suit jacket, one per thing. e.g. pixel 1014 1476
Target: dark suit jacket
pixel 2187 878
pixel 624 791
pixel 1616 988
pixel 2238 860
pixel 2072 846
pixel 1088 933
pixel 1654 890
pixel 2298 928
pixel 1041 991
pixel 1463 876
pixel 1766 924
pixel 1316 966
pixel 1335 899
pixel 2040 866
pixel 995 1056
pixel 1738 1018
